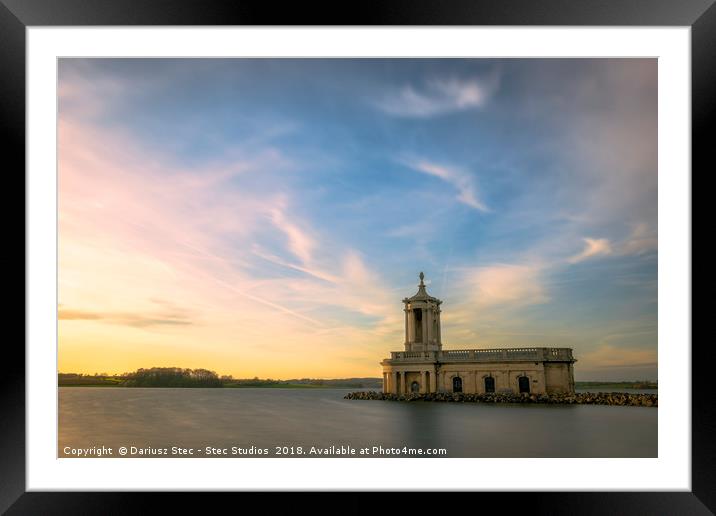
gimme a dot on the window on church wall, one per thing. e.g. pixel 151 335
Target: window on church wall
pixel 489 384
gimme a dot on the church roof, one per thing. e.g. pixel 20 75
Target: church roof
pixel 422 294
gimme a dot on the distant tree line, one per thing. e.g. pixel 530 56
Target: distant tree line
pixel 172 377
pixel 303 382
pixel 636 384
pixel 179 377
pixel 93 380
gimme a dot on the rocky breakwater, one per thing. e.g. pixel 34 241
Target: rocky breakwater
pixel 581 398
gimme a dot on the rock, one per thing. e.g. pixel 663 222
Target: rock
pixel 583 398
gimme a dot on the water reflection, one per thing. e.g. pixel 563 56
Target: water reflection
pixel 264 418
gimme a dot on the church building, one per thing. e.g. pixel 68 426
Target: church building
pixel 424 366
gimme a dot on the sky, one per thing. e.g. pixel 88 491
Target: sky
pixel 265 217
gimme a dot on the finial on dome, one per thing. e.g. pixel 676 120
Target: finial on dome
pixel 422 277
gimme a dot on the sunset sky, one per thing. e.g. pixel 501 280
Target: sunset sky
pixel 265 217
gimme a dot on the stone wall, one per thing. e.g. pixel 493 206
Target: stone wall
pixel 543 377
pixel 506 376
pixel 558 378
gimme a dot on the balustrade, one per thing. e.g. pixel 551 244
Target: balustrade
pixel 487 355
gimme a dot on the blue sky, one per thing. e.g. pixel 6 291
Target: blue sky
pixel 312 192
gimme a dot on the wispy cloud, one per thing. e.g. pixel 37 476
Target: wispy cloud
pixel 607 356
pixel 459 179
pixel 137 320
pixel 641 240
pixel 438 96
pixel 300 243
pixel 593 247
pixel 315 272
pixel 506 285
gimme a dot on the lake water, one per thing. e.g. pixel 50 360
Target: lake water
pixel 235 420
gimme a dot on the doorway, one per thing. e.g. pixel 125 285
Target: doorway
pixel 415 387
pixel 457 384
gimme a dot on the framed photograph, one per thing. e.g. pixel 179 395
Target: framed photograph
pixel 421 248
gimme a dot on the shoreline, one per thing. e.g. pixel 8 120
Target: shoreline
pixel 580 398
pixel 219 387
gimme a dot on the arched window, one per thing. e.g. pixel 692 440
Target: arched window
pixel 457 384
pixel 415 387
pixel 489 384
pixel 524 384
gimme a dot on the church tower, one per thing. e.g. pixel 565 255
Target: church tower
pixel 425 367
pixel 422 321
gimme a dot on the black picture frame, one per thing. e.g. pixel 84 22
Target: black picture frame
pixel 17 15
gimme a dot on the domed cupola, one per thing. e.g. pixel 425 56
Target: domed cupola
pixel 422 320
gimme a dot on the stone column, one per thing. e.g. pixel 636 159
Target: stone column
pixel 437 317
pixel 423 381
pixel 433 382
pixel 394 382
pixel 411 326
pixel 406 327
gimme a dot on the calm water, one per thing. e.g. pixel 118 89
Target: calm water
pixel 266 418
